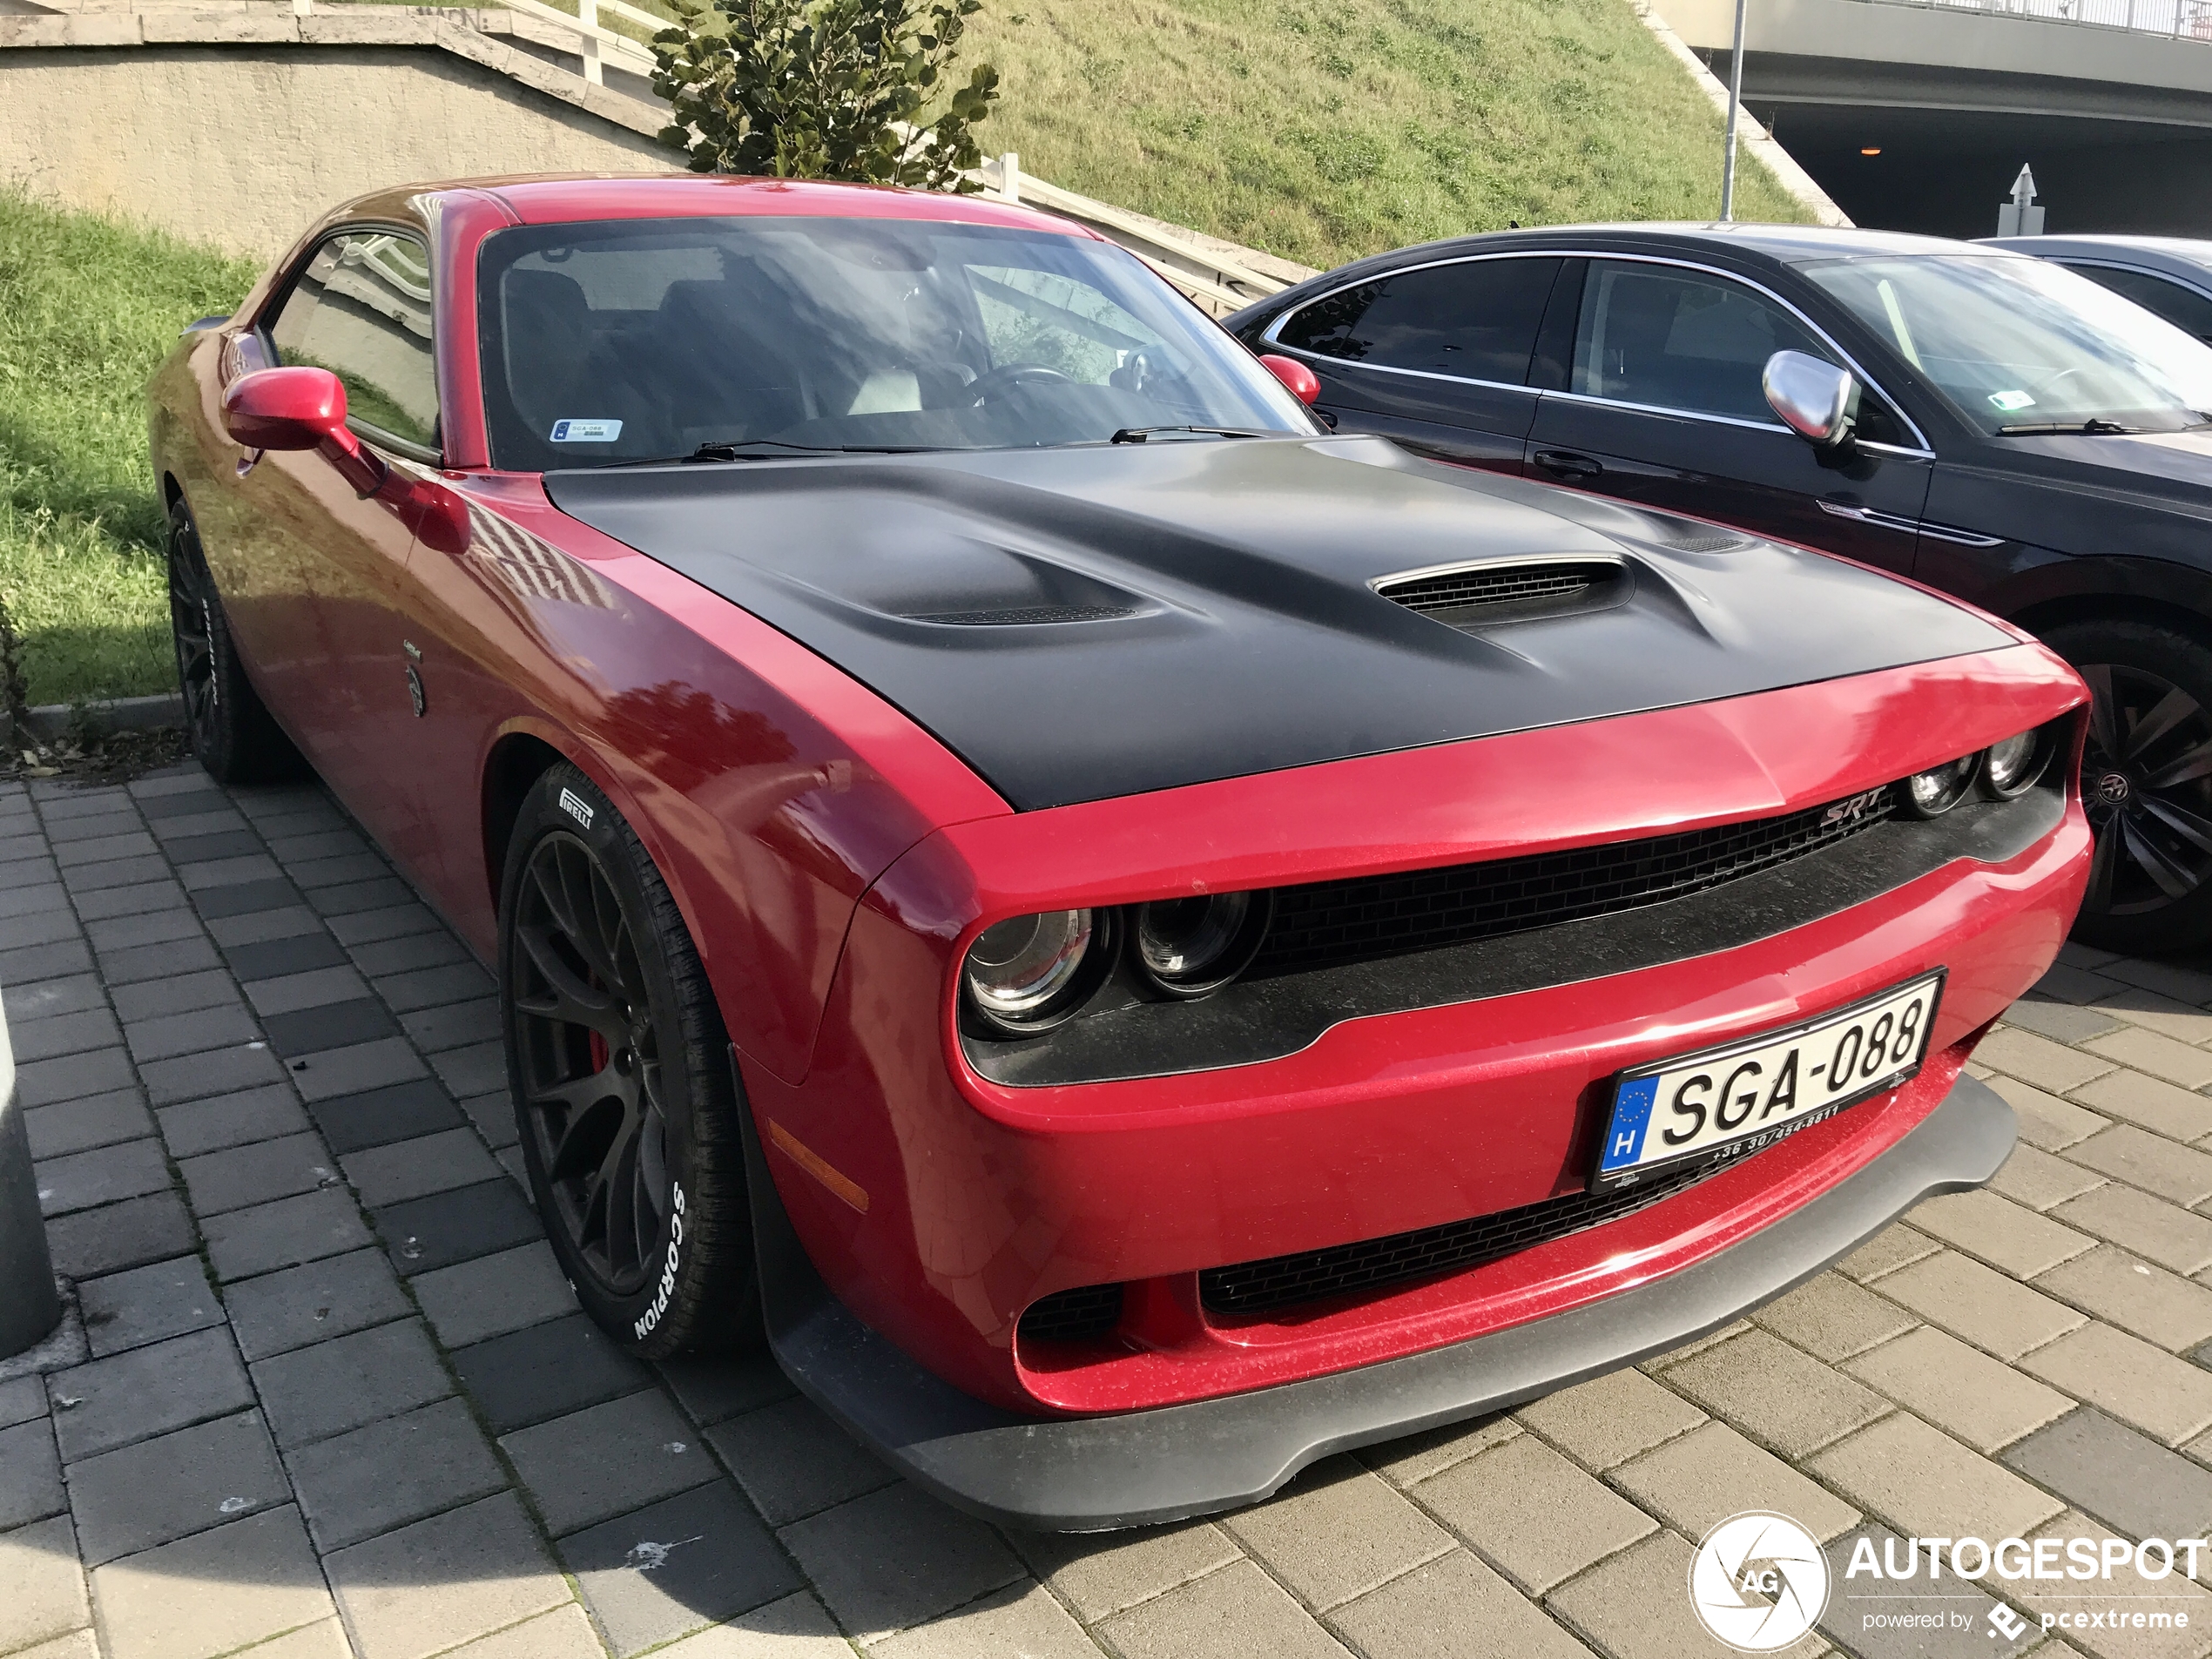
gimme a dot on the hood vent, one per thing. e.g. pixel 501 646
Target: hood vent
pixel 1709 541
pixel 1020 615
pixel 1479 595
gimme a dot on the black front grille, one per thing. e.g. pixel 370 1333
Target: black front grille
pixel 1329 922
pixel 1087 1310
pixel 1500 585
pixel 1255 1287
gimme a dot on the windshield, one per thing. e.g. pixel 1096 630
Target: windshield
pixel 607 342
pixel 2021 346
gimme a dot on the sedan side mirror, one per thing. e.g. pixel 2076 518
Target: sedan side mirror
pixel 1303 383
pixel 1816 399
pixel 285 409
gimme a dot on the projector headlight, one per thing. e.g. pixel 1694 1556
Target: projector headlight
pixel 1188 947
pixel 2013 767
pixel 1935 791
pixel 1026 974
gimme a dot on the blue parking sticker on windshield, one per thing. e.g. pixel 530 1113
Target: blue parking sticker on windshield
pixel 586 431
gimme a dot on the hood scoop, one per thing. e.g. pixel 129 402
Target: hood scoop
pixel 1491 591
pixel 1025 616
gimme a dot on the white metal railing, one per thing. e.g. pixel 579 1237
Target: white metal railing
pixel 2173 19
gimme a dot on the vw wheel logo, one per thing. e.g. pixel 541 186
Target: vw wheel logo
pixel 2113 787
pixel 1760 1581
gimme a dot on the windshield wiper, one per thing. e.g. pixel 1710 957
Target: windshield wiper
pixel 2095 427
pixel 768 449
pixel 1139 434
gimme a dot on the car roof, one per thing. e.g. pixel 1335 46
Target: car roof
pixel 2180 254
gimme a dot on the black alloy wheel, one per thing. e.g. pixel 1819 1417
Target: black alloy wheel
pixel 231 731
pixel 2146 785
pixel 624 1094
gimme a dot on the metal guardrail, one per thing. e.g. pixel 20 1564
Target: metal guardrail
pixel 2172 19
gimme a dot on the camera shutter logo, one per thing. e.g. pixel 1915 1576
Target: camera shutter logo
pixel 1760 1581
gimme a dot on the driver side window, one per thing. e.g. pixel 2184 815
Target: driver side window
pixel 361 309
pixel 1033 316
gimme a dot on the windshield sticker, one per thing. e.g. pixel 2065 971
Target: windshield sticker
pixel 586 431
pixel 2009 401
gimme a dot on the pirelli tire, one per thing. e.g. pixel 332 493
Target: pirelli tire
pixel 619 1067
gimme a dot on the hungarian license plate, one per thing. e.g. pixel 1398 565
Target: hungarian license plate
pixel 1738 1099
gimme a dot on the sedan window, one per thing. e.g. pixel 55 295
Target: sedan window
pixel 1473 320
pixel 361 309
pixel 1670 339
pixel 2184 308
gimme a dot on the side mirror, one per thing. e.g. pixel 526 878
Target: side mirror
pixel 1816 399
pixel 285 409
pixel 1303 384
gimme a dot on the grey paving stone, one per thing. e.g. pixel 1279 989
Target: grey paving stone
pixel 354 896
pixel 183 787
pixel 187 993
pixel 367 926
pixel 62 1034
pixel 94 1121
pixel 1534 1515
pixel 607 1460
pixel 31 1474
pixel 438 1582
pixel 2125 1479
pixel 23 1000
pixel 331 1387
pixel 245 897
pixel 228 872
pixel 383 958
pixel 257 1173
pixel 82 1180
pixel 284 1234
pixel 341 869
pixel 261 926
pixel 714 1386
pixel 190 1033
pixel 384 1474
pixel 546 1370
pixel 478 1070
pixel 1453 1599
pixel 792 1462
pixel 172 1486
pixel 156 927
pixel 32 900
pixel 219 1072
pixel 351 1070
pixel 297 988
pixel 692 1559
pixel 42 927
pixel 405 1170
pixel 128 966
pixel 135 898
pixel 315 844
pixel 223 1121
pixel 331 1026
pixel 95 849
pixel 457 1025
pixel 21 1400
pixel 230 1586
pixel 380 1116
pixel 143 1304
pixel 176 827
pixel 1337 1532
pixel 424 1235
pixel 494 1117
pixel 22 964
pixel 144 1392
pixel 91 878
pixel 211 845
pixel 48 1083
pixel 429 987
pixel 492 1295
pixel 897 1557
pixel 46 1588
pixel 116 1236
pixel 315 1302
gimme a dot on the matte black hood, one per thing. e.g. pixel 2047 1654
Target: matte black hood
pixel 1087 622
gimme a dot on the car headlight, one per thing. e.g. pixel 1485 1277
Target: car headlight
pixel 1935 791
pixel 2012 767
pixel 1028 974
pixel 1188 947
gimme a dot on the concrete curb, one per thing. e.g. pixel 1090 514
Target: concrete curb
pixel 53 720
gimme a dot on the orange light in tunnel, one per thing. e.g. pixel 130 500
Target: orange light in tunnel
pixel 1871 150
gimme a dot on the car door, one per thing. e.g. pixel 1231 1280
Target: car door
pixel 330 651
pixel 1657 398
pixel 1435 357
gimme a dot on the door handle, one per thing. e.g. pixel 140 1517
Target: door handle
pixel 1564 463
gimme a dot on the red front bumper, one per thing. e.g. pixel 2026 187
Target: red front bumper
pixel 938 1205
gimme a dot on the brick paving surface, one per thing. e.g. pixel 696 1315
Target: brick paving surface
pixel 330 1395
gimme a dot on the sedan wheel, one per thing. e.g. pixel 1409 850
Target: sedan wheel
pixel 624 1094
pixel 232 733
pixel 2146 785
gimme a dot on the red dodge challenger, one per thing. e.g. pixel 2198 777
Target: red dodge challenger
pixel 1135 941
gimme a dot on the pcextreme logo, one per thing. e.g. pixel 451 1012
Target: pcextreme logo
pixel 1758 1582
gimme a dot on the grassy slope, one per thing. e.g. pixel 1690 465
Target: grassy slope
pixel 87 308
pixel 1322 132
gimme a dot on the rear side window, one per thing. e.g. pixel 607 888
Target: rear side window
pixel 1475 319
pixel 361 309
pixel 1671 339
pixel 2185 308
